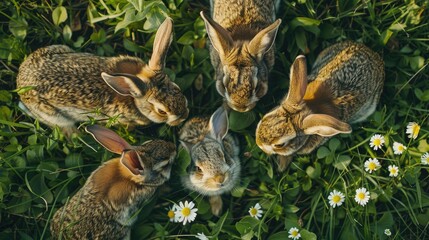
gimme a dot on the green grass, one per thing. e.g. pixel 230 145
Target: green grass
pixel 40 169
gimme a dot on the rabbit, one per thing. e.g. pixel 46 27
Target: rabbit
pixel 215 165
pixel 242 35
pixel 343 88
pixel 105 207
pixel 66 87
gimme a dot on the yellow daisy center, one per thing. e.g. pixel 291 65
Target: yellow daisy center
pixel 294 233
pixel 372 166
pixel 377 142
pixel 336 199
pixel 170 214
pixel 253 211
pixel 393 171
pixel 416 129
pixel 361 196
pixel 401 148
pixel 186 211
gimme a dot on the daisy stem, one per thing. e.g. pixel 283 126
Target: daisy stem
pixel 265 216
pixel 331 223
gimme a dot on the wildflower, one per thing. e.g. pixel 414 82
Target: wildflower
pixel 376 141
pixel 294 233
pixel 371 165
pixel 256 211
pixel 425 158
pixel 171 215
pixel 387 232
pixel 186 212
pixel 201 236
pixel 398 148
pixel 393 170
pixel 362 196
pixel 336 198
pixel 413 130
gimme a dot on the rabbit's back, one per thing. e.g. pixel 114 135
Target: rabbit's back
pixel 255 14
pixel 57 63
pixel 60 74
pixel 98 221
pixel 104 208
pixel 66 83
pixel 354 75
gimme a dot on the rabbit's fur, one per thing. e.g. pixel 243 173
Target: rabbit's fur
pixel 215 166
pixel 67 87
pixel 242 33
pixel 343 87
pixel 105 206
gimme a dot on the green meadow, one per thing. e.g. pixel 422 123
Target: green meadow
pixel 40 169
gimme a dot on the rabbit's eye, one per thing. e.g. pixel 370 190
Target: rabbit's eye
pixel 198 169
pixel 161 112
pixel 279 145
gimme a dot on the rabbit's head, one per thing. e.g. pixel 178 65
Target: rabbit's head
pixel 213 169
pixel 155 95
pixel 287 128
pixel 146 165
pixel 242 74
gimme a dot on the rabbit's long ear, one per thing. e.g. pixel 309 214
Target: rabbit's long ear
pixel 109 139
pixel 298 82
pixel 125 84
pixel 218 124
pixel 324 125
pixel 264 40
pixel 219 37
pixel 162 42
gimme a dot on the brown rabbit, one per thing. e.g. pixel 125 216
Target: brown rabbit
pixel 343 87
pixel 105 206
pixel 68 87
pixel 242 33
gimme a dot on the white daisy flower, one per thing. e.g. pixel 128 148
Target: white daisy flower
pixel 201 236
pixel 256 211
pixel 413 130
pixel 425 158
pixel 186 212
pixel 376 141
pixel 387 232
pixel 362 196
pixel 398 148
pixel 336 198
pixel 371 165
pixel 393 170
pixel 171 215
pixel 294 233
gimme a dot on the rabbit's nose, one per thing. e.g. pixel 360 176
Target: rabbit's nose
pixel 241 107
pixel 220 179
pixel 174 120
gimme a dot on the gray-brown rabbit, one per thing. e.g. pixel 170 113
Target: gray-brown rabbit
pixel 343 87
pixel 242 33
pixel 105 206
pixel 215 166
pixel 67 87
